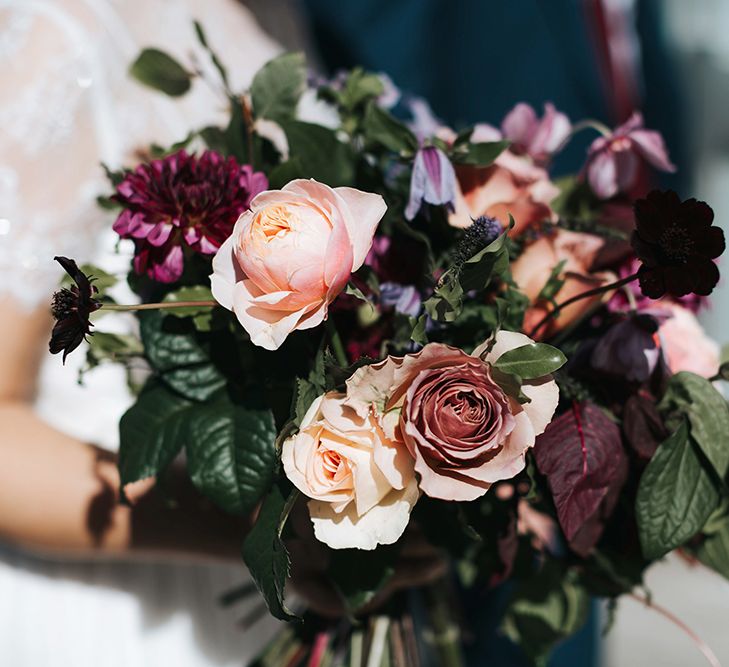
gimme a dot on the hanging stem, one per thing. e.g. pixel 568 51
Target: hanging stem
pixel 588 124
pixel 167 305
pixel 337 345
pixel 248 121
pixel 578 297
pixel 700 644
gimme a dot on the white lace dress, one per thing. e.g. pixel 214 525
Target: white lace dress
pixel 66 104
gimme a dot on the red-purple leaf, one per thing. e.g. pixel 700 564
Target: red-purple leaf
pixel 582 457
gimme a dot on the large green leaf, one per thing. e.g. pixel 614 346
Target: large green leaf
pixel 383 128
pixel 320 154
pixel 714 551
pixel 708 415
pixel 231 453
pixel 277 87
pixel 531 361
pixel 265 553
pixel 151 432
pixel 158 70
pixel 676 495
pixel 174 350
pixel 545 609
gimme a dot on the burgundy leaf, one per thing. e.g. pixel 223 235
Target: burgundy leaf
pixel 582 457
pixel 643 426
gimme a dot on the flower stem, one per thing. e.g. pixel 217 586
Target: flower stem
pixel 700 644
pixel 337 345
pixel 167 305
pixel 587 124
pixel 578 297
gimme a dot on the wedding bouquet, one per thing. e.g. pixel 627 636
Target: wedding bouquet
pixel 351 311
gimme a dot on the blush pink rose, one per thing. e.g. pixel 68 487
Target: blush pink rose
pixel 512 185
pixel 685 345
pixel 360 482
pixel 460 427
pixel 291 254
pixel 532 269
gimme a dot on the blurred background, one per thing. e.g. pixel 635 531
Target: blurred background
pixel 472 60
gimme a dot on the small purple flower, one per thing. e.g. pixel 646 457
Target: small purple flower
pixel 433 181
pixel 537 137
pixel 630 348
pixel 182 201
pixel 404 299
pixel 612 161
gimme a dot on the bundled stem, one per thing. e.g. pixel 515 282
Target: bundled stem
pixel 167 305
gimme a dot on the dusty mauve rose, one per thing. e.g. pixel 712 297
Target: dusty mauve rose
pixel 360 482
pixel 512 185
pixel 461 428
pixel 685 345
pixel 533 267
pixel 291 254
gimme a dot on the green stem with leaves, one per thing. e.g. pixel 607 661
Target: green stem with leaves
pixel 337 345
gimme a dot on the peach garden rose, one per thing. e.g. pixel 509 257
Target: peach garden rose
pixel 291 254
pixel 462 430
pixel 360 482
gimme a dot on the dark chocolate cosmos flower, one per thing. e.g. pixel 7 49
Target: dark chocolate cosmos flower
pixel 72 307
pixel 676 244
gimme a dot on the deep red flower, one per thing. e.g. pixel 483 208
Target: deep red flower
pixel 677 245
pixel 182 201
pixel 72 307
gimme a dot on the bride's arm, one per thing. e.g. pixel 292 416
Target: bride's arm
pixel 59 496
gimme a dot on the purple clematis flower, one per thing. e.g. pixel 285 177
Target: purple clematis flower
pixel 433 181
pixel 612 161
pixel 404 299
pixel 630 348
pixel 537 137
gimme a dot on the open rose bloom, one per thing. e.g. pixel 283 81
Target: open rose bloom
pixel 360 482
pixel 291 254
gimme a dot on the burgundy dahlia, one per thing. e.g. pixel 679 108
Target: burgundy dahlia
pixel 182 201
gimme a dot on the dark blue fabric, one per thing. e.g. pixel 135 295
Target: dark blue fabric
pixel 474 59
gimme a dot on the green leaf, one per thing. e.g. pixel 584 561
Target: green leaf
pixel 419 335
pixel 202 38
pixel 286 172
pixel 320 154
pixel 202 315
pixel 308 390
pixel 714 551
pixel 383 128
pixel 151 432
pixel 104 346
pixel 231 453
pixel 675 497
pixel 174 350
pixel 101 280
pixel 481 154
pixel 531 361
pixel 265 554
pixel 554 283
pixel 359 576
pixel 545 609
pixel 359 87
pixel 277 87
pixel 158 70
pixel 708 415
pixel 356 292
pixel 510 383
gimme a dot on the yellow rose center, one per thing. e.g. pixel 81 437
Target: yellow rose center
pixel 275 221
